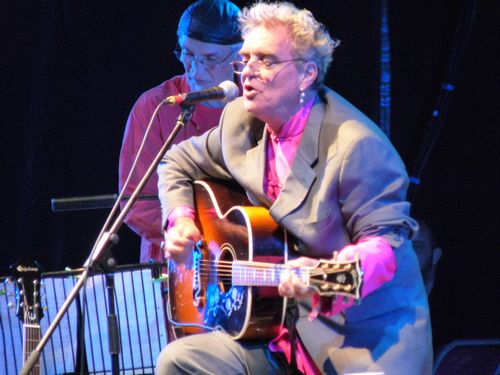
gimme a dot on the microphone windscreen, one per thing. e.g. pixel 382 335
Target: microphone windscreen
pixel 231 91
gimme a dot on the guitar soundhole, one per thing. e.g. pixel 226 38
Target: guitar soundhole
pixel 226 259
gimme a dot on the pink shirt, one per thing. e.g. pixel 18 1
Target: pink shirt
pixel 280 152
pixel 281 149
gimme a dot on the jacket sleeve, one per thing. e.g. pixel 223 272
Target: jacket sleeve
pixel 372 192
pixel 193 159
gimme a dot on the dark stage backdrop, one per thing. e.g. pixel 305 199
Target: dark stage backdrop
pixel 71 70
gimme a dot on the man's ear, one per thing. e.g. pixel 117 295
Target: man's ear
pixel 309 74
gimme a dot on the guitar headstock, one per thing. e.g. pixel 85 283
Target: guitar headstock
pixel 27 279
pixel 337 278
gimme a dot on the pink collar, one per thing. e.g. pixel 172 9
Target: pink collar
pixel 294 126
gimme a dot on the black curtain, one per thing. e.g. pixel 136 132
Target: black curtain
pixel 70 72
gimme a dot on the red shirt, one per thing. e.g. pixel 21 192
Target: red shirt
pixel 145 216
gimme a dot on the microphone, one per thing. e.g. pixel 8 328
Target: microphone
pixel 226 91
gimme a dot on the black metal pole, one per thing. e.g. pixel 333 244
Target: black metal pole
pixel 113 329
pixel 106 239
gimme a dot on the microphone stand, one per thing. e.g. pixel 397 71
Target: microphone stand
pixel 101 248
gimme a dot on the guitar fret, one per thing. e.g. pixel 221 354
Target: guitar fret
pixel 263 274
pixel 257 274
pixel 32 340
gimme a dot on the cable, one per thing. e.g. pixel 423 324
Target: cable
pixel 462 35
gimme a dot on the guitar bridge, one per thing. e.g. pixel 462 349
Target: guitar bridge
pixel 197 289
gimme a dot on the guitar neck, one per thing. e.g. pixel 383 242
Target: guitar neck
pixel 264 274
pixel 329 278
pixel 31 339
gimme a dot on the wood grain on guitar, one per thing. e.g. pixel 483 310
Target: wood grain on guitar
pixel 229 281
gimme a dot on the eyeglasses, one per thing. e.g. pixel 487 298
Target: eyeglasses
pixel 209 62
pixel 259 65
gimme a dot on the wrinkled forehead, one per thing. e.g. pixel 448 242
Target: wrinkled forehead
pixel 268 41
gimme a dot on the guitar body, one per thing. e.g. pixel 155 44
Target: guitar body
pixel 201 294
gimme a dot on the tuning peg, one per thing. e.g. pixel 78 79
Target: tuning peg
pixel 20 280
pixel 341 278
pixel 11 305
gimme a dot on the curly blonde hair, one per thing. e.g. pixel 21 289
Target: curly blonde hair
pixel 310 38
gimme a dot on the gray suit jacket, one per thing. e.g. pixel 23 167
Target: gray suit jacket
pixel 346 182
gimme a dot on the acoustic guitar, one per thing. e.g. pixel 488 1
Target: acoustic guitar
pixel 230 279
pixel 27 280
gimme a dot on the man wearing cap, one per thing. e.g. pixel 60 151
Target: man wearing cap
pixel 208 41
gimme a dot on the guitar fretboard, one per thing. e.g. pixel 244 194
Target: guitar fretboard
pixel 32 336
pixel 263 274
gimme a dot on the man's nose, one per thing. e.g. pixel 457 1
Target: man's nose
pixel 196 67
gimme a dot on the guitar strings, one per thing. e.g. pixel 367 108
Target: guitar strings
pixel 258 271
pixel 225 271
pixel 228 266
pixel 263 274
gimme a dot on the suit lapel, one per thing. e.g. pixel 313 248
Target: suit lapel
pixel 254 168
pixel 302 175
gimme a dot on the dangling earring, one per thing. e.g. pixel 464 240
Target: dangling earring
pixel 302 96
